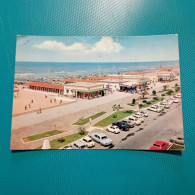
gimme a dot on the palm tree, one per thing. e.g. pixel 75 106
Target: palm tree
pixel 165 87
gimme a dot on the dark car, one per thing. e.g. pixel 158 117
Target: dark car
pixel 122 125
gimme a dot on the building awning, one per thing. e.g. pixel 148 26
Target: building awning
pixel 144 80
pixel 90 91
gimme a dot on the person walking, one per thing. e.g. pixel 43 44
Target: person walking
pixel 40 110
pixel 90 120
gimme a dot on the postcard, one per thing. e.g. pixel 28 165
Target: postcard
pixel 97 93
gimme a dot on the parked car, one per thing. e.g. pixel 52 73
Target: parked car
pixel 163 103
pixel 101 138
pixel 170 101
pixel 160 106
pixel 144 113
pixel 122 125
pixel 88 141
pixel 113 129
pixel 176 100
pixel 128 122
pixel 178 95
pixel 136 115
pixel 177 139
pixel 135 120
pixel 78 145
pixel 159 145
pixel 167 106
pixel 67 147
pixel 155 109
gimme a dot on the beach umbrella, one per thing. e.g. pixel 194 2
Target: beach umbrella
pixel 46 145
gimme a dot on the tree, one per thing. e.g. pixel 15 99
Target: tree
pixel 169 92
pixel 165 87
pixel 144 93
pixel 81 130
pixel 154 92
pixel 176 85
pixel 177 89
pixel 140 106
pixel 133 101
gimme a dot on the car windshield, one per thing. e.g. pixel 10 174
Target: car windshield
pixel 83 146
pixel 104 137
pixel 156 145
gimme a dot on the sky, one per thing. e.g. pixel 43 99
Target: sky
pixel 94 49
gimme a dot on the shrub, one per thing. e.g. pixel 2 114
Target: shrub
pixel 176 84
pixel 177 89
pixel 141 105
pixel 61 140
pixel 161 99
pixel 155 98
pixel 163 94
pixel 128 111
pixel 169 92
pixel 144 101
pixel 115 116
pixel 154 92
pixel 133 101
pixel 148 102
pixel 81 130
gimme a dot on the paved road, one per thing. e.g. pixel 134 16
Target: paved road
pixel 154 128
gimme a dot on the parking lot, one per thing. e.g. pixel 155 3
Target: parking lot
pixel 157 126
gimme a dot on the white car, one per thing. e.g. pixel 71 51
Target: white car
pixel 163 103
pixel 144 113
pixel 136 115
pixel 67 147
pixel 88 141
pixel 155 109
pixel 78 145
pixel 167 105
pixel 178 95
pixel 135 120
pixel 113 129
pixel 170 101
pixel 159 106
pixel 176 100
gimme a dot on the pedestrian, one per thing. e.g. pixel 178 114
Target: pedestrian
pixel 25 107
pixel 60 101
pixel 50 100
pixel 54 100
pixel 29 105
pixel 40 110
pixel 118 108
pixel 90 120
pixel 32 101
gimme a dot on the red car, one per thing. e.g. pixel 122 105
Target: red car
pixel 159 145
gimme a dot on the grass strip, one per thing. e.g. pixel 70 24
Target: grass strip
pixel 55 144
pixel 86 120
pixel 114 117
pixel 41 135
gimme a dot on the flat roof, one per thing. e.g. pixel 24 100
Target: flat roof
pixel 83 84
pixel 46 85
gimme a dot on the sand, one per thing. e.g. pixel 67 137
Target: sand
pixel 25 96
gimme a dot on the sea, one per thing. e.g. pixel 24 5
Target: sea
pixel 27 71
